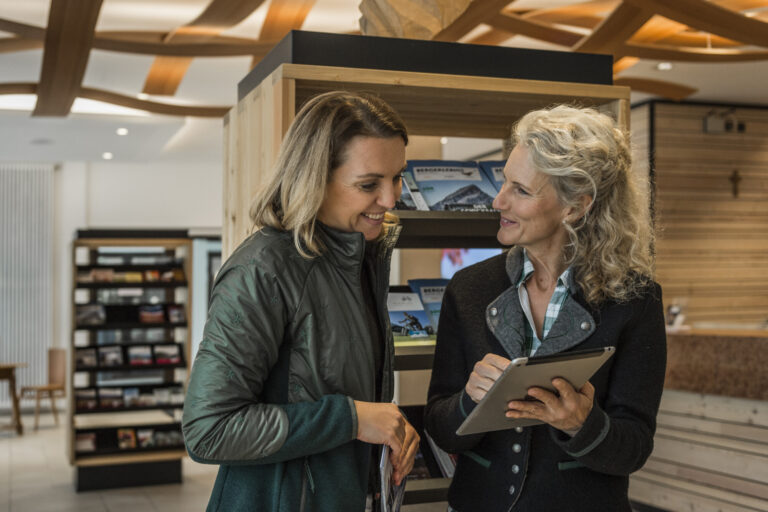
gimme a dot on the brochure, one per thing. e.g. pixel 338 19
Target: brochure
pixel 391 494
pixel 407 317
pixel 494 171
pixel 450 185
pixel 431 294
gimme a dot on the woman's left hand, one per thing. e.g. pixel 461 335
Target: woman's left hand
pixel 404 464
pixel 565 411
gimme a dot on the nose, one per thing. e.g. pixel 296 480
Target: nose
pixel 498 201
pixel 389 195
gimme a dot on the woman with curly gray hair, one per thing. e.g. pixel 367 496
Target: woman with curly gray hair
pixel 578 276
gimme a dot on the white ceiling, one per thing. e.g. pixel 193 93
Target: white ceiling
pixel 213 81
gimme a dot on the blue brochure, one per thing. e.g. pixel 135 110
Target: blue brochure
pixel 431 294
pixel 450 185
pixel 494 171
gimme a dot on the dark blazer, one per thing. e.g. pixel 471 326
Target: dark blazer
pixel 540 468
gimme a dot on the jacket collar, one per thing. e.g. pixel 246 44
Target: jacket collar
pixel 347 250
pixel 505 318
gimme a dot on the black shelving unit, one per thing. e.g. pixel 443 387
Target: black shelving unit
pixel 104 443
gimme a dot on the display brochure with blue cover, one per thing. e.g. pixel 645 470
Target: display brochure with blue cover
pixel 450 185
pixel 431 294
pixel 407 316
pixel 494 170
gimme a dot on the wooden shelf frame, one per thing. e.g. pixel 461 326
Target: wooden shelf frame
pixel 433 104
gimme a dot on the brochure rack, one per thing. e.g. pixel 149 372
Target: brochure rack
pixel 129 357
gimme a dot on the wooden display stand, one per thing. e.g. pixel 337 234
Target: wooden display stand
pixel 455 102
pixel 125 285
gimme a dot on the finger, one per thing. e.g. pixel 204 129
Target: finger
pixel 497 361
pixel 544 396
pixel 566 390
pixel 487 370
pixel 588 390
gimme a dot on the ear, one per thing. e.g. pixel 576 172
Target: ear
pixel 574 213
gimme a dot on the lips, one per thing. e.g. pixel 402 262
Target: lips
pixel 506 222
pixel 374 216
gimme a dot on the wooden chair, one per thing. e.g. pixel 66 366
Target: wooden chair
pixel 57 377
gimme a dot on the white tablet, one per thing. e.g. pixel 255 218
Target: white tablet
pixel 523 373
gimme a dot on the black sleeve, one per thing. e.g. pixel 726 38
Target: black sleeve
pixel 617 438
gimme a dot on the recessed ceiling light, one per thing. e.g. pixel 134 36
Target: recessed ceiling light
pixel 122 131
pixel 664 66
pixel 142 96
pixel 107 155
pixel 443 140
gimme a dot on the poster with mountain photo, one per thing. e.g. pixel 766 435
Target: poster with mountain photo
pixel 451 185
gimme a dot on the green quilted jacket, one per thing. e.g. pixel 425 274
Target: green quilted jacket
pixel 285 351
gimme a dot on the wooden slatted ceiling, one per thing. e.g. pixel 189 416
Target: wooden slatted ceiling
pixel 284 16
pixel 68 41
pixel 616 28
pixel 477 12
pixel 536 29
pixel 712 18
pixel 166 73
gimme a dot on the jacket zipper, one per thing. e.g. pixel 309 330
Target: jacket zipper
pixel 306 479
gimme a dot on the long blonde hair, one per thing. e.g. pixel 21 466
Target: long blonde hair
pixel 583 152
pixel 313 148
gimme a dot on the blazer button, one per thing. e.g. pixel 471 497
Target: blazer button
pixel 516 448
pixel 519 430
pixel 585 326
pixel 515 468
pixel 511 489
pixel 494 311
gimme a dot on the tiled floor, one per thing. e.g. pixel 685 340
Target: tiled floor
pixel 36 477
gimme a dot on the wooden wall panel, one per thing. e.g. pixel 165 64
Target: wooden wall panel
pixel 712 249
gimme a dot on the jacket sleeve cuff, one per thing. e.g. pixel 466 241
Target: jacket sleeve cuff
pixel 592 433
pixel 353 414
pixel 466 404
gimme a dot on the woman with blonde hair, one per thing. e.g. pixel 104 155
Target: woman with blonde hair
pixel 290 391
pixel 578 276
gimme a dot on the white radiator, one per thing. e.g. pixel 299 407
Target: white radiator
pixel 26 271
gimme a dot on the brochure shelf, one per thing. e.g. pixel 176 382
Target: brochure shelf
pixel 128 366
pixel 455 102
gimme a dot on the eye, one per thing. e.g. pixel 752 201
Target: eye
pixel 520 190
pixel 398 178
pixel 368 186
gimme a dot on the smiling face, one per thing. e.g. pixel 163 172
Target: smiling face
pixel 364 186
pixel 531 214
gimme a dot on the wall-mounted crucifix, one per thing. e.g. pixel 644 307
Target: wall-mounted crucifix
pixel 735 179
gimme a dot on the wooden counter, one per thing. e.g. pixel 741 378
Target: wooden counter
pixel 718 362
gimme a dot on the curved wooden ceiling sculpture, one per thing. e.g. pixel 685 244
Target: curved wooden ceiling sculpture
pixel 630 30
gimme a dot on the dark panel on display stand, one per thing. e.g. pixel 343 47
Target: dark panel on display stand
pixel 91 478
pixel 386 53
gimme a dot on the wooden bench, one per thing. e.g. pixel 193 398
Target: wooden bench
pixel 710 455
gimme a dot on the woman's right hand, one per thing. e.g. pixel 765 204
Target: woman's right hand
pixel 381 423
pixel 484 374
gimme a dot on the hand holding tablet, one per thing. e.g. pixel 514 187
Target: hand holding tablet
pixel 522 374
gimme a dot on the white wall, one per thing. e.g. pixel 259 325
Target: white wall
pixel 126 195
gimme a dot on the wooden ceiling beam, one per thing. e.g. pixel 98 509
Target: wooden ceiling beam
pixel 166 73
pixel 68 41
pixel 669 90
pixel 17 44
pixel 676 53
pixel 18 88
pixel 699 39
pixel 477 12
pixel 22 29
pixel 617 27
pixel 284 16
pixel 154 107
pixel 534 29
pixel 712 18
pixel 584 15
pixel 491 37
pixel 151 43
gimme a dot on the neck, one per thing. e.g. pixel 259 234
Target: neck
pixel 547 267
